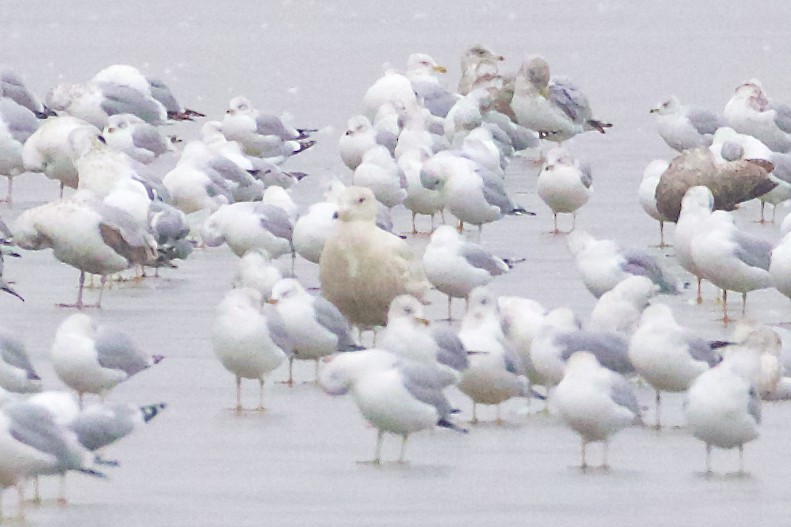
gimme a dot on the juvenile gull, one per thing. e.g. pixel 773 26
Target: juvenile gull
pixel 455 267
pixel 93 359
pixel 249 340
pixel 564 184
pixel 595 402
pixel 393 395
pixel 668 356
pixel 362 268
pixel 478 68
pixel 683 127
pixel 314 325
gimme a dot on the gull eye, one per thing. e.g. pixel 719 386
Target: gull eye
pixel 110 130
pixel 361 199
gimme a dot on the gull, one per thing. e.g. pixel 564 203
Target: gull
pixel 249 225
pixel 668 356
pixel 312 229
pixel 86 234
pixel 314 325
pixel 409 335
pixel 361 136
pixel 780 263
pixel 430 92
pixel 52 148
pixel 696 207
pixel 419 199
pixel 13 87
pixel 380 173
pixel 260 134
pixel 553 107
pixel 250 340
pixel 646 194
pixel 17 124
pixel 392 88
pixel 456 267
pixel 479 67
pixel 479 145
pixel 256 271
pixel 619 309
pixel 90 358
pixel 564 184
pixel 495 372
pixel 5 241
pixel 362 268
pixel 522 319
pixel 32 443
pixel 749 111
pixel 175 110
pixel 393 395
pixel 723 410
pixel 139 140
pixel 16 371
pixel 731 259
pixel 683 127
pixel 472 194
pixel 603 264
pixel 594 402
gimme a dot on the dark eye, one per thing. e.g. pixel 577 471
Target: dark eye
pixel 408 310
pixel 361 200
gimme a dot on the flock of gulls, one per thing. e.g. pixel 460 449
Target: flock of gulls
pixel 436 152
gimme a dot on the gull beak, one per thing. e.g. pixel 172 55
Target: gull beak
pixel 440 69
pixel 272 301
pixel 110 130
pixel 228 112
pixel 544 92
pixel 499 58
pixel 653 110
pixel 423 321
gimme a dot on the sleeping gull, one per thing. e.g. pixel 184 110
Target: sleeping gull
pixel 731 259
pixel 751 112
pixel 315 326
pixel 16 371
pixel 595 402
pixel 603 264
pixel 247 226
pixel 362 268
pixel 683 127
pixel 668 356
pixel 90 358
pixel 554 107
pixel 249 340
pixel 619 309
pixel 564 184
pixel 312 229
pixel 646 194
pixel 392 88
pixel 393 395
pixel 17 124
pixel 257 271
pixel 379 172
pixel 456 267
pixel 495 372
pixel 723 409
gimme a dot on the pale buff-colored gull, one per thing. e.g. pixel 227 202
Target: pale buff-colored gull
pixel 456 267
pixel 594 402
pixel 410 335
pixel 619 309
pixel 257 271
pixel 723 409
pixel 730 183
pixel 33 443
pixel 554 107
pixel 361 136
pixel 421 70
pixel 495 372
pixel 646 194
pixel 86 234
pixel 380 173
pixel 362 268
pixel 603 264
pixel 419 199
pixel 250 340
pixel 749 111
pixel 51 149
pixel 565 184
pixel 479 68
pixel 90 358
pixel 668 356
pixel 393 395
pixel 17 373
pixel 730 258
pixel 683 127
pixel 135 137
pixel 17 124
pixel 260 134
pixel 315 326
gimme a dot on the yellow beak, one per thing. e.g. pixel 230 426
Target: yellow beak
pixel 440 69
pixel 544 92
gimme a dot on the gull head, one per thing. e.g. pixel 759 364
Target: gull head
pixel 409 308
pixel 357 204
pixel 699 197
pixel 423 63
pixel 668 107
pixel 285 289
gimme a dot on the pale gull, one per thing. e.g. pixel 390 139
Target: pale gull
pixel 361 136
pixel 751 112
pixel 257 271
pixel 619 309
pixel 421 70
pixel 17 124
pixel 380 173
pixel 646 194
pixel 683 127
pixel 135 137
pixel 16 371
pixel 565 184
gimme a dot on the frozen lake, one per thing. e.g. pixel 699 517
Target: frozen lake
pixel 200 463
